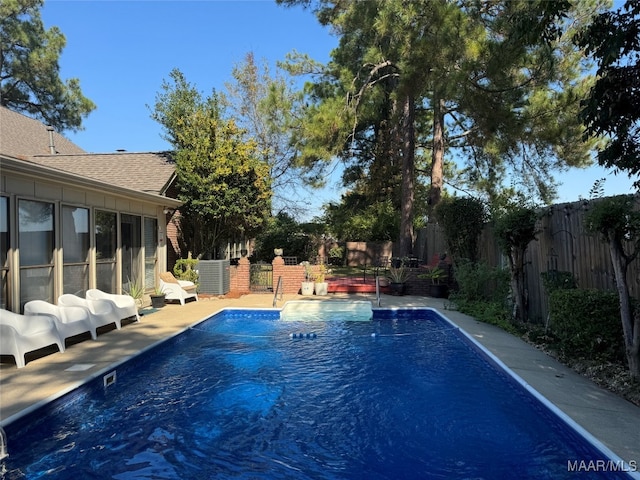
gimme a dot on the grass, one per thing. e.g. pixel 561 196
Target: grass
pixel 343 272
pixel 354 272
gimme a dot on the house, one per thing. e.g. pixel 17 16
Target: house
pixel 72 220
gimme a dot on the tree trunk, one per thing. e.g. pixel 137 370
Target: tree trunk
pixel 630 324
pixel 516 265
pixel 408 173
pixel 437 155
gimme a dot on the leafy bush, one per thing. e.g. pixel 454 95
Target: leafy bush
pixel 462 219
pixel 336 255
pixel 481 283
pixel 282 231
pixel 185 269
pixel 482 293
pixel 587 323
pixel 557 280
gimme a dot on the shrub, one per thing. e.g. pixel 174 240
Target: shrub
pixel 185 269
pixel 480 282
pixel 482 293
pixel 281 231
pixel 587 323
pixel 557 280
pixel 336 255
pixel 462 220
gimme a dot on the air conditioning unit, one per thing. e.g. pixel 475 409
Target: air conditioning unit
pixel 214 276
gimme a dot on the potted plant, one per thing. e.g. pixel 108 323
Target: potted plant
pixel 135 290
pixel 157 297
pixel 321 286
pixel 397 279
pixel 308 283
pixel 436 276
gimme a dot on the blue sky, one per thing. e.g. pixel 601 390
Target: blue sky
pixel 122 50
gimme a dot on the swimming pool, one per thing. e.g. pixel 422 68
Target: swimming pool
pixel 245 395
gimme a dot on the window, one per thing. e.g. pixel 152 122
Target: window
pixel 4 252
pixel 150 245
pixel 75 246
pixel 106 232
pixel 36 247
pixel 131 233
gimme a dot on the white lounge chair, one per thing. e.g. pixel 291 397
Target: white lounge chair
pixel 20 334
pixel 70 320
pixel 125 305
pixel 101 312
pixel 177 289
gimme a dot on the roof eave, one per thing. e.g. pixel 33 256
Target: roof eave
pixel 15 165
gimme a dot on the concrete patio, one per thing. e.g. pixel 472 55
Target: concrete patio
pixel 611 420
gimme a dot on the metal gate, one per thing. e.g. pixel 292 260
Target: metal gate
pixel 261 277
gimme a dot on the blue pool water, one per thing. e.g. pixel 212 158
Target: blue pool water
pixel 245 395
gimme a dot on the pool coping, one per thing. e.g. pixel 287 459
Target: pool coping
pixel 601 414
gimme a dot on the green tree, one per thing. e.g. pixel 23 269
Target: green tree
pixel 617 221
pixel 282 231
pixel 462 220
pixel 496 81
pixel 266 106
pixel 224 186
pixel 515 229
pixel 612 108
pixel 354 219
pixel 29 70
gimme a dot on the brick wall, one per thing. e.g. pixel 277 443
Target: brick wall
pixel 292 275
pixel 173 250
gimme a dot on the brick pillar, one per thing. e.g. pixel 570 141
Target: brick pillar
pixel 243 276
pixel 278 270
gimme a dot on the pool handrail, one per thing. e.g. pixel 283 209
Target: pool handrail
pixel 4 453
pixel 275 295
pixel 378 300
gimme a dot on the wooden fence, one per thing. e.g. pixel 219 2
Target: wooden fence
pixel 562 244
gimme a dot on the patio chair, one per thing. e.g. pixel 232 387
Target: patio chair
pixel 101 312
pixel 175 289
pixel 70 321
pixel 167 277
pixel 21 334
pixel 125 305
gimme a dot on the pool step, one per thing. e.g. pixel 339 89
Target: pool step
pixel 322 310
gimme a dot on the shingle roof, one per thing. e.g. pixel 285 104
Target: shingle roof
pixel 21 136
pixel 28 139
pixel 144 172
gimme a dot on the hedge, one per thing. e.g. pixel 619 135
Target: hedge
pixel 587 323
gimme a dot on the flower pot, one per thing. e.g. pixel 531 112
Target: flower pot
pixel 396 288
pixel 307 288
pixel 157 301
pixel 440 290
pixel 322 288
